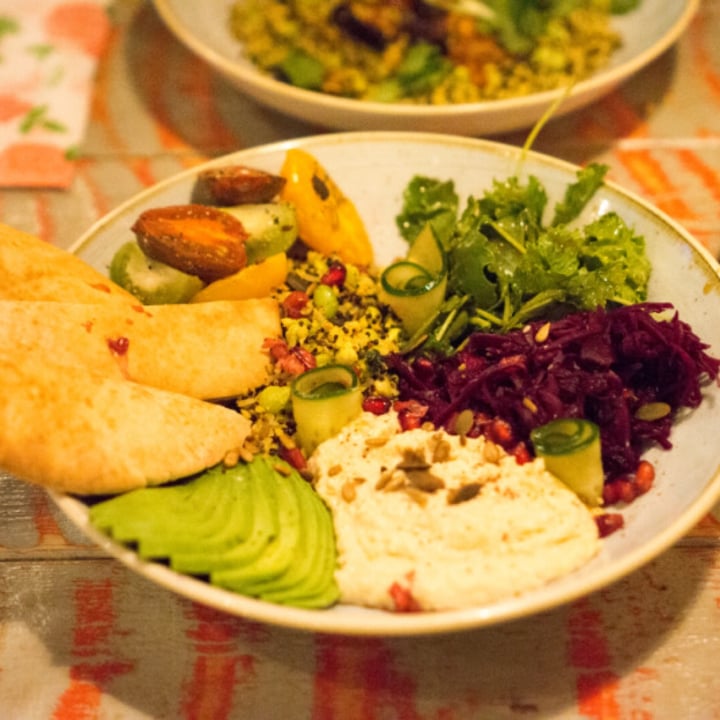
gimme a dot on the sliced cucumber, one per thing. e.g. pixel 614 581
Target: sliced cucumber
pixel 272 227
pixel 415 288
pixel 323 401
pixel 150 281
pixel 572 452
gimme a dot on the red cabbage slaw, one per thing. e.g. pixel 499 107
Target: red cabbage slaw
pixel 602 365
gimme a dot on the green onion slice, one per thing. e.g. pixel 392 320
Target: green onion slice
pixel 415 287
pixel 571 450
pixel 324 400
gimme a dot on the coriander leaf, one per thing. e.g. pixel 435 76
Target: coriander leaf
pixel 549 262
pixel 517 23
pixel 579 193
pixel 428 200
pixel 511 199
pixel 615 253
pixel 423 67
pixel 471 260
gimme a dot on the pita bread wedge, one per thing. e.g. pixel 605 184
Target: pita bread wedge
pixel 31 269
pixel 205 350
pixel 75 431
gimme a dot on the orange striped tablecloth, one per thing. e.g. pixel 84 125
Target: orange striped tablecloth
pixel 82 637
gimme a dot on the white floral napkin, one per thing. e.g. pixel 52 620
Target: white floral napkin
pixel 48 55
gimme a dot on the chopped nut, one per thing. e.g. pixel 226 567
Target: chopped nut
pixel 440 448
pixel 231 459
pixel 347 491
pixel 334 470
pixel 286 441
pixel 542 333
pixel 424 480
pixel 383 481
pixel 491 452
pixel 530 405
pixel 246 454
pixel 376 441
pixel 464 422
pixel 653 411
pixel 397 481
pixel 463 493
pixel 413 460
pixel 417 495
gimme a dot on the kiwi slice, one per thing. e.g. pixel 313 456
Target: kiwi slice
pixel 272 228
pixel 151 281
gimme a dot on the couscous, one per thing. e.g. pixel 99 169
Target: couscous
pixel 330 315
pixel 416 52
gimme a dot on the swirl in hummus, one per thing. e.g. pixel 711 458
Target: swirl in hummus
pixel 426 520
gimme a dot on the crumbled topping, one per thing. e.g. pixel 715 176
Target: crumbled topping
pixel 463 493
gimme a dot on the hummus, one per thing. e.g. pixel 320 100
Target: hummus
pixel 426 520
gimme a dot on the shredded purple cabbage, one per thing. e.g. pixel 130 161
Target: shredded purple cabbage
pixel 602 365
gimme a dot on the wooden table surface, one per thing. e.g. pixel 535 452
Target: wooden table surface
pixel 82 637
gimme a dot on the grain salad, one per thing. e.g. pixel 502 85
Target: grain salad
pixel 330 314
pixel 415 52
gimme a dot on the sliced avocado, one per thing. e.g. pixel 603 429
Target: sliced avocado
pixel 263 529
pixel 272 227
pixel 208 554
pixel 278 553
pixel 134 515
pixel 306 548
pixel 208 515
pixel 150 281
pixel 303 549
pixel 316 586
pixel 252 529
pixel 165 520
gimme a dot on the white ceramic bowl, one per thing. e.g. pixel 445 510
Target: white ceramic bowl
pixel 373 169
pixel 203 28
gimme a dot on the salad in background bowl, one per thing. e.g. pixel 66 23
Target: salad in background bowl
pixel 645 33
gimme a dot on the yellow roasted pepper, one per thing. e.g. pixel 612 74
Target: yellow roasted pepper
pixel 327 220
pixel 253 281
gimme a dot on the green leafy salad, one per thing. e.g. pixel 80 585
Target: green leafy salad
pixel 507 264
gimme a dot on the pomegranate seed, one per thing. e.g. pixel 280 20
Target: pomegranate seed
pixel 297 361
pixel 626 490
pixel 376 405
pixel 608 523
pixel 335 275
pixel 521 453
pixel 611 494
pixel 294 456
pixel 644 476
pixel 500 432
pixel 410 414
pixel 278 349
pixel 119 346
pixel 294 304
pixel 403 599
